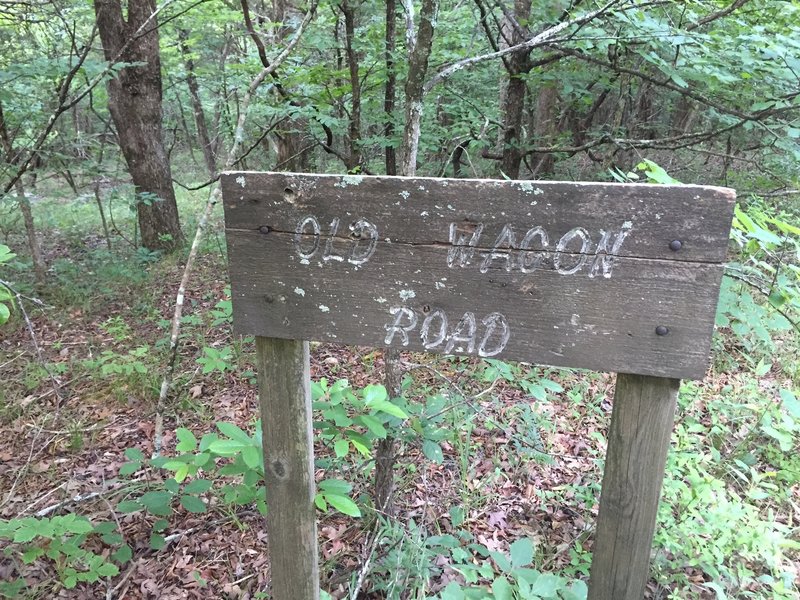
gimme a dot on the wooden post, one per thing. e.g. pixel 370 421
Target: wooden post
pixel 641 426
pixel 285 400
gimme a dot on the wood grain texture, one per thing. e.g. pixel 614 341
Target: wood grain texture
pixel 304 265
pixel 285 401
pixel 416 210
pixel 638 440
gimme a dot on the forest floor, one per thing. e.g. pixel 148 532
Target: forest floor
pixel 515 467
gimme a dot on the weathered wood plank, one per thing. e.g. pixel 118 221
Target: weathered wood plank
pixel 420 210
pixel 601 323
pixel 638 440
pixel 285 400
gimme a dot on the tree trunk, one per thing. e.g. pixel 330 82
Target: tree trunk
pixel 417 69
pixel 419 54
pixel 391 84
pixel 354 128
pixel 545 128
pixel 135 105
pixel 197 106
pixel 39 265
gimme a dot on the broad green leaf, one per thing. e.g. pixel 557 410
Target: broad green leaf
pixel 335 486
pixel 134 454
pixel 198 486
pixel 193 504
pixel 187 442
pixel 433 451
pixel 341 448
pixel 501 589
pixel 546 586
pixel 374 393
pixel 375 426
pixel 522 552
pixel 234 432
pixel 343 504
pixel 129 506
pixel 251 456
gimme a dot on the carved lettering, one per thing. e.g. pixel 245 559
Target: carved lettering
pixel 504 240
pixel 462 245
pixel 301 233
pixel 530 261
pixel 563 246
pixel 401 313
pixel 604 258
pixel 365 236
pixel 487 338
pixel 362 245
pixel 497 333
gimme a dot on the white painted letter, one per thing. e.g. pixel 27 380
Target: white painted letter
pixel 467 323
pixel 300 231
pixel 603 257
pixel 561 247
pixel 400 312
pixel 504 240
pixel 426 326
pixel 529 261
pixel 462 246
pixel 363 229
pixel 329 253
pixel 494 322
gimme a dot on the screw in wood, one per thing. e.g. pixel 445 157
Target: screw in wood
pixel 662 330
pixel 675 245
pixel 265 229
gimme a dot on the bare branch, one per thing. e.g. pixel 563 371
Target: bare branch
pixel 540 39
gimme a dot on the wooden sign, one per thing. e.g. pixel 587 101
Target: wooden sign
pixel 609 277
pixel 603 276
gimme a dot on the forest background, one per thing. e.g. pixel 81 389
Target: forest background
pixel 115 315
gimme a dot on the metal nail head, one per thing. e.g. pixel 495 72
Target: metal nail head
pixel 264 229
pixel 662 330
pixel 675 245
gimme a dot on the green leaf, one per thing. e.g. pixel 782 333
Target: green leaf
pixel 502 561
pixel 343 504
pixel 577 591
pixel 25 534
pixel 134 454
pixel 433 451
pixel 157 503
pixel 375 426
pixel 5 314
pixel 374 393
pixel 32 554
pixel 129 468
pixel 193 504
pixel 129 506
pixel 453 591
pixel 234 432
pixel 157 542
pixel 335 486
pixel 108 570
pixel 341 448
pixel 228 447
pixel 198 486
pixel 791 403
pixel 522 552
pixel 186 440
pixel 123 554
pixel 546 585
pixel 388 408
pixel 251 456
pixel 501 589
